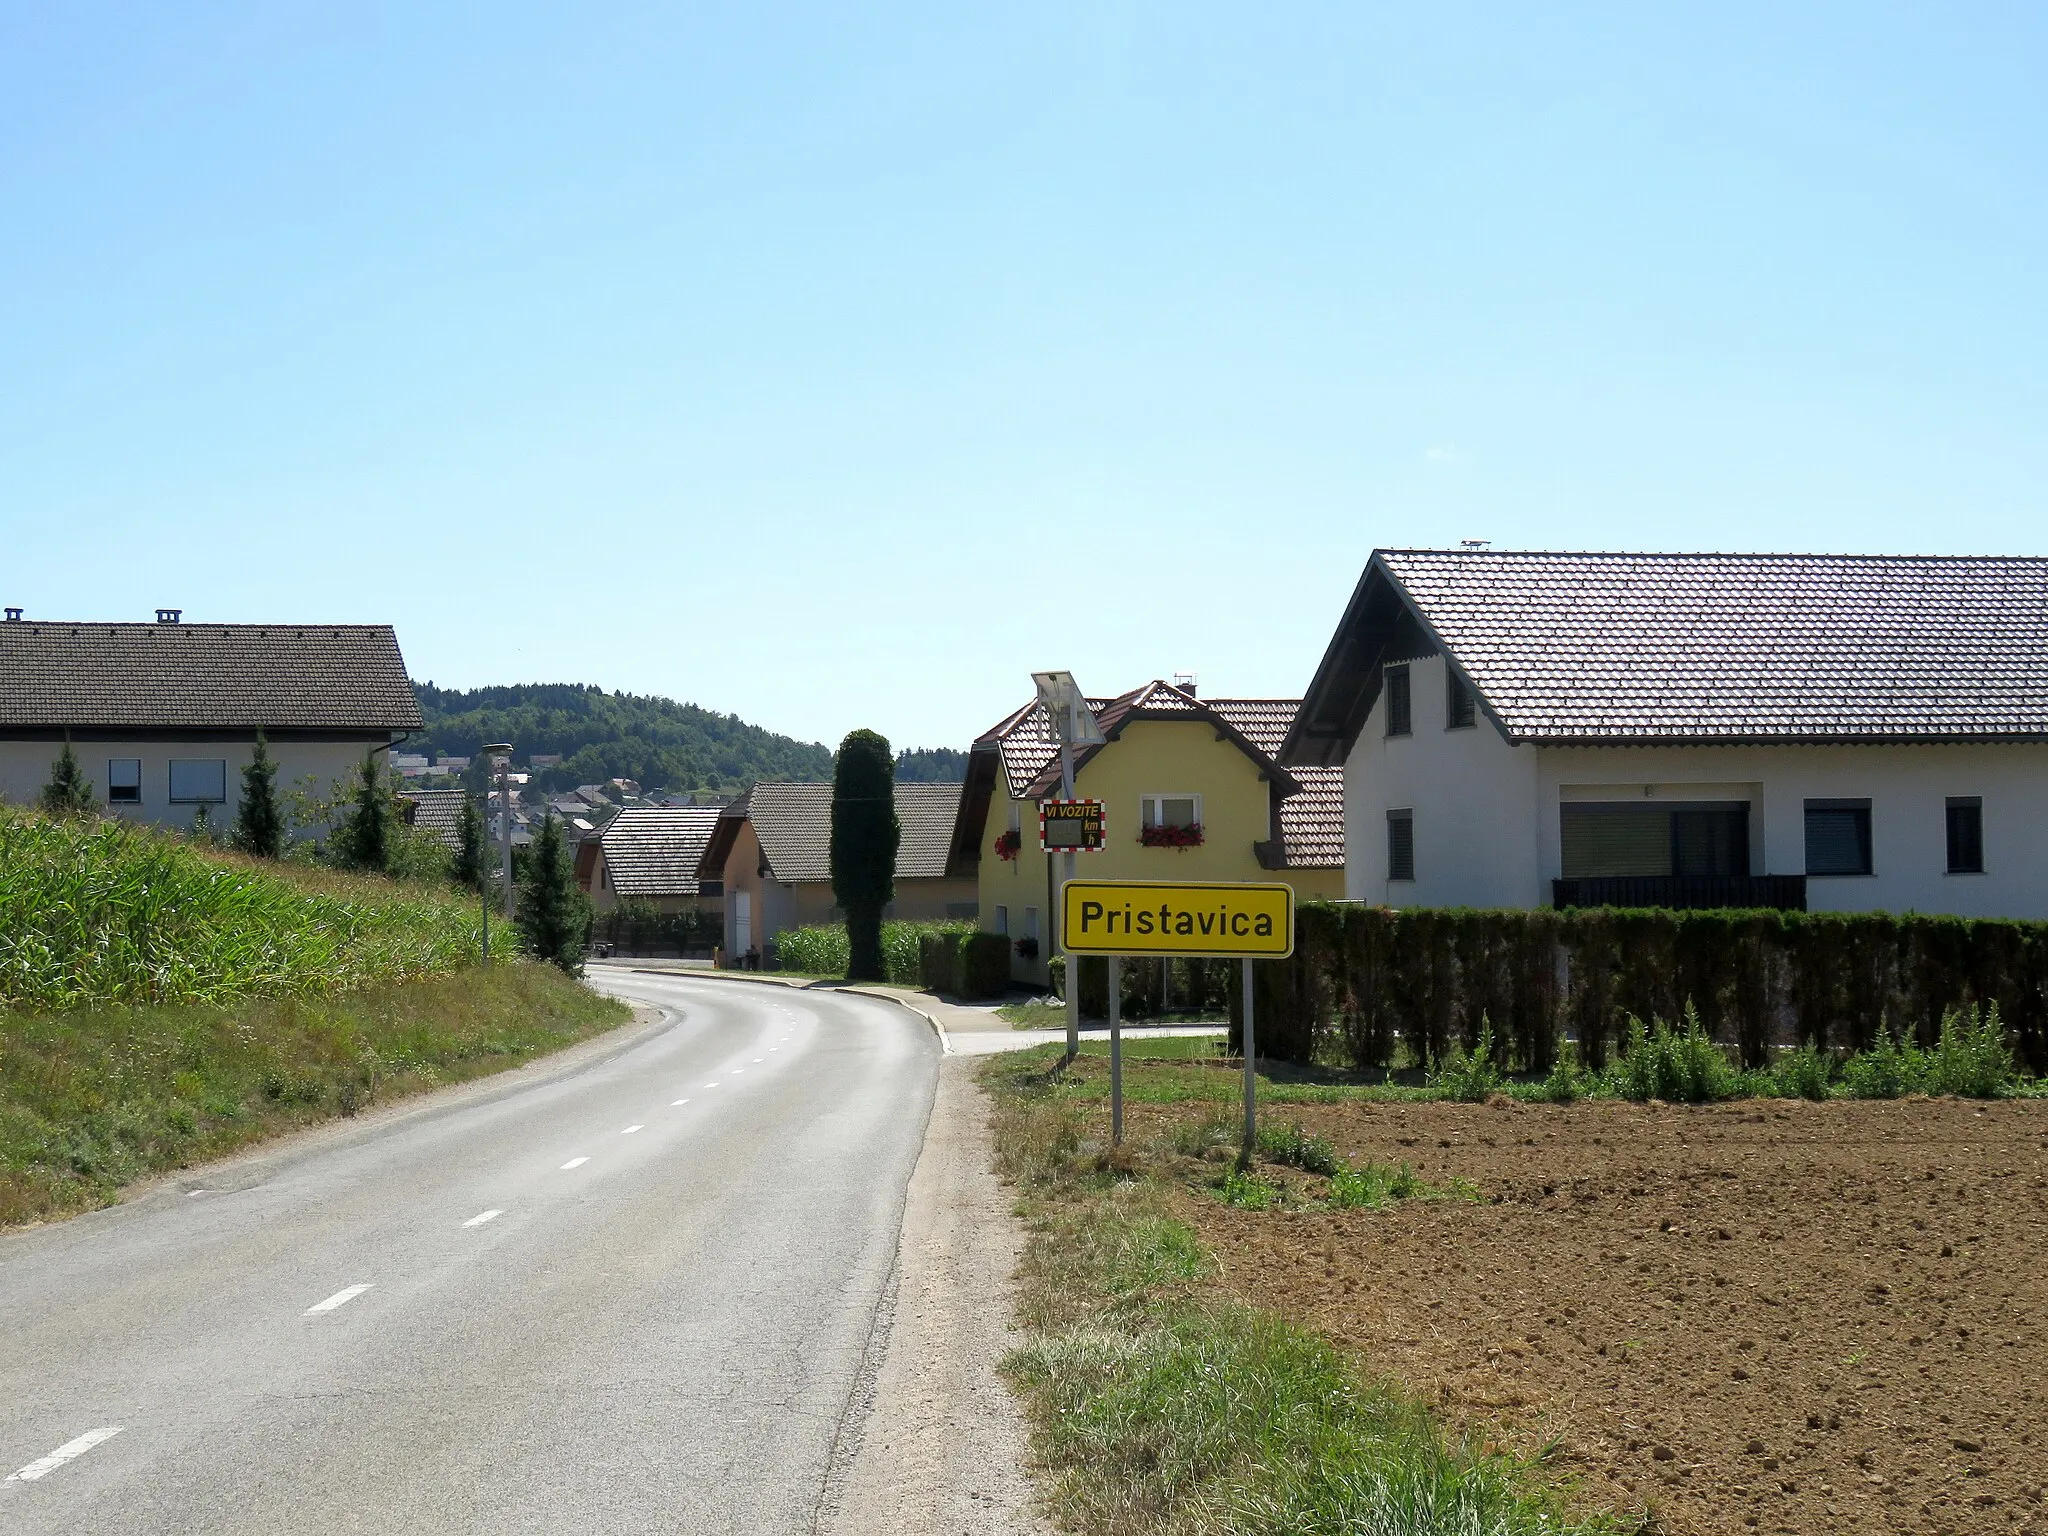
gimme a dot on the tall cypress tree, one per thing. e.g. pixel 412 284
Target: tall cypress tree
pixel 259 824
pixel 364 840
pixel 470 866
pixel 69 792
pixel 553 914
pixel 865 833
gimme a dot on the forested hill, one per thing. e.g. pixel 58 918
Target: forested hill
pixel 658 742
pixel 931 765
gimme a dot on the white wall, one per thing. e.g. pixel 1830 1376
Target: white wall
pixel 25 769
pixel 1907 786
pixel 1474 802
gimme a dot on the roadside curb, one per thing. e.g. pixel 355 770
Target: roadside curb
pixel 756 978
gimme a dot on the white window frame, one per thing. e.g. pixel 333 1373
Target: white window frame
pixel 1002 919
pixel 1147 802
pixel 114 799
pixel 180 762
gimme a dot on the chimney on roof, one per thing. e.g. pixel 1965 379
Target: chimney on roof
pixel 169 615
pixel 1185 682
pixel 14 615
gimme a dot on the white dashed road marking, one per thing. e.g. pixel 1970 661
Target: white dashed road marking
pixel 574 1162
pixel 480 1219
pixel 678 1104
pixel 629 1130
pixel 338 1299
pixel 70 1450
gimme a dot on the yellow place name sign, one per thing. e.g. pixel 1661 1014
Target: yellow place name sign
pixel 1159 917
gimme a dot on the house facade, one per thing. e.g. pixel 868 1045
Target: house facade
pixel 652 854
pixel 1831 733
pixel 163 717
pixel 771 851
pixel 1190 791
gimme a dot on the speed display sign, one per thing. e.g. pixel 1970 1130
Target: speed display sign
pixel 1070 826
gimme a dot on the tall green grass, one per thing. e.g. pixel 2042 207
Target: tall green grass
pixel 90 1101
pixel 98 913
pixel 822 949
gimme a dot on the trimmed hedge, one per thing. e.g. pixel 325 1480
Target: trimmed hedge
pixel 637 927
pixel 966 965
pixel 1363 978
pixel 1201 987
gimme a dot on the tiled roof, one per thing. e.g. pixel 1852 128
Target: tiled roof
pixel 1262 722
pixel 1312 820
pixel 650 851
pixel 794 825
pixel 1027 744
pixel 204 676
pixel 436 811
pixel 1565 647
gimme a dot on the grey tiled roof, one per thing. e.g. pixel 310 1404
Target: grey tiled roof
pixel 1565 647
pixel 653 851
pixel 204 676
pixel 436 811
pixel 794 824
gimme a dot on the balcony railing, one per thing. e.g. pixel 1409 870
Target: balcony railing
pixel 1787 893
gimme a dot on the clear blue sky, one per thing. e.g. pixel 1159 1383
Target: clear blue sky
pixel 838 365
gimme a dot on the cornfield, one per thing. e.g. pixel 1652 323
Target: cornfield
pixel 99 913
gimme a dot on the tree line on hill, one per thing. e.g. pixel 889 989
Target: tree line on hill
pixel 656 742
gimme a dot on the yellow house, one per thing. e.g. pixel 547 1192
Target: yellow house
pixel 1190 791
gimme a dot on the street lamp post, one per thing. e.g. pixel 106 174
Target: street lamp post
pixel 493 754
pixel 1074 725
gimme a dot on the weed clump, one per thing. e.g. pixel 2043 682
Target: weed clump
pixel 1679 1066
pixel 1470 1077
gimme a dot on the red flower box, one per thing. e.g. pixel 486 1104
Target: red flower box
pixel 1008 843
pixel 1171 837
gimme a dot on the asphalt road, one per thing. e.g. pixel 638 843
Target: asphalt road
pixel 639 1295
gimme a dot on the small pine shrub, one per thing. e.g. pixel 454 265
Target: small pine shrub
pixel 1971 1058
pixel 1890 1069
pixel 1470 1078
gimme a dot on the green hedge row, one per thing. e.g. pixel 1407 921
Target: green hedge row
pixel 1364 979
pixel 965 965
pixel 638 927
pixel 1150 987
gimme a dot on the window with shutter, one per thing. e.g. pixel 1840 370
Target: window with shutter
pixel 1400 845
pixel 1461 706
pixel 1838 837
pixel 1400 719
pixel 1965 835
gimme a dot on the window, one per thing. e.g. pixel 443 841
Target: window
pixel 199 781
pixel 124 781
pixel 1461 707
pixel 1400 721
pixel 1631 838
pixel 1400 845
pixel 706 887
pixel 1838 837
pixel 1965 835
pixel 1173 810
pixel 1002 919
pixel 1031 923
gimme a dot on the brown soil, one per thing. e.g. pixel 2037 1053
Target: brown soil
pixel 1762 1316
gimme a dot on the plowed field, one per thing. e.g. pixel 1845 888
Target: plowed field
pixel 1759 1316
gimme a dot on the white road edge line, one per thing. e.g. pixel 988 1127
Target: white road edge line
pixel 578 1162
pixel 479 1219
pixel 629 1130
pixel 70 1450
pixel 339 1298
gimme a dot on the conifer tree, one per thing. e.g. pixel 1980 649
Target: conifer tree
pixel 553 914
pixel 364 840
pixel 259 824
pixel 69 792
pixel 471 858
pixel 865 834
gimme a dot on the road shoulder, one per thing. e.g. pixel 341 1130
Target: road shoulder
pixel 940 1445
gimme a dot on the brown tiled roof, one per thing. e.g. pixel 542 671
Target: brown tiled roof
pixel 654 850
pixel 1312 820
pixel 1572 647
pixel 436 811
pixel 204 676
pixel 794 825
pixel 1262 722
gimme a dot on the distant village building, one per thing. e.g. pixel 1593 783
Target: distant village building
pixel 652 854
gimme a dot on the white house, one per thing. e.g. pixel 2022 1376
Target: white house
pixel 1839 733
pixel 163 717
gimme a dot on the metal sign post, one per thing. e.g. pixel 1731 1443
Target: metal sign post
pixel 1116 1051
pixel 1074 725
pixel 1251 1072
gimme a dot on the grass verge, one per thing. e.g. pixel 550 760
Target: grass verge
pixel 90 1101
pixel 1161 1410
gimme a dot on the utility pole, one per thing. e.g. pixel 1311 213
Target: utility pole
pixel 502 762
